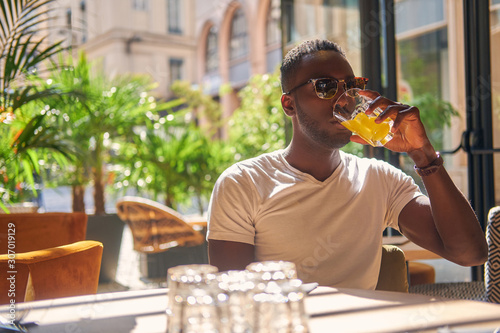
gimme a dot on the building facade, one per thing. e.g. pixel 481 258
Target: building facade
pixel 134 36
pixel 236 39
pixel 220 43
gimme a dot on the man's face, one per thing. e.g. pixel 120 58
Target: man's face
pixel 315 121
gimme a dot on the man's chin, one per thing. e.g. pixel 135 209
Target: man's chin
pixel 339 142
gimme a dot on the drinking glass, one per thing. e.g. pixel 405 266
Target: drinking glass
pixel 200 310
pixel 273 270
pixel 239 287
pixel 192 294
pixel 187 274
pixel 350 111
pixel 279 308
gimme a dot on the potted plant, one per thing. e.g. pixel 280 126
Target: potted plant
pixel 174 160
pixel 25 133
pixel 99 112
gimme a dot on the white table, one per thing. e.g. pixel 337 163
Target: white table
pixel 330 310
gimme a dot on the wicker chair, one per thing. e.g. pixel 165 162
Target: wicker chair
pixel 156 227
pixel 161 236
pixel 489 290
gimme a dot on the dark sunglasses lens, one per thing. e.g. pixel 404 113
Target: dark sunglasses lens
pixel 326 88
pixel 358 83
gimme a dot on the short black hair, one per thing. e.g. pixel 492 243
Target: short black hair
pixel 292 59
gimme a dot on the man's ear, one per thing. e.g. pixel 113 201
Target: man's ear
pixel 288 104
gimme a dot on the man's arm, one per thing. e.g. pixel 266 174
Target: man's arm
pixel 227 255
pixel 445 222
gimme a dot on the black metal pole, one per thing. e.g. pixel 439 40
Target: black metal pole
pixel 371 57
pixel 478 109
pixel 389 38
pixel 286 15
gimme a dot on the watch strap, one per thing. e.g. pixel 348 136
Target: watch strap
pixel 431 168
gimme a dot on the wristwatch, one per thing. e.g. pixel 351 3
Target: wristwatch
pixel 431 168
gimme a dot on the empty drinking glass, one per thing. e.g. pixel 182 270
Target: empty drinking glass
pixel 239 287
pixel 279 308
pixel 200 310
pixel 193 295
pixel 273 270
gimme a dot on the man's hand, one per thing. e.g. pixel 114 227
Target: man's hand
pixel 409 132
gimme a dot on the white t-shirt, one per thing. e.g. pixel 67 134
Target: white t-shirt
pixel 332 229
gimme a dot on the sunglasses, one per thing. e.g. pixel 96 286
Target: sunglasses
pixel 326 88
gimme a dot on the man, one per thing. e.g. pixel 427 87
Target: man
pixel 325 210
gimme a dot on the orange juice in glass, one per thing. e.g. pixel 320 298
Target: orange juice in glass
pixel 350 111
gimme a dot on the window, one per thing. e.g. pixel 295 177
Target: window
pixel 341 3
pixel 239 38
pixel 273 34
pixel 422 61
pixel 140 5
pixel 68 17
pixel 212 54
pixel 83 8
pixel 289 21
pixel 495 16
pixel 176 69
pixel 174 16
pixel 415 14
pixel 424 77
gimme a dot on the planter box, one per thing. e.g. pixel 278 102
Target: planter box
pixel 25 207
pixel 107 229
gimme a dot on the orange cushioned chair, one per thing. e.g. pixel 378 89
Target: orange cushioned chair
pixel 63 271
pixel 34 231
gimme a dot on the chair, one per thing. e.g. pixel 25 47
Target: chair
pixel 63 271
pixel 420 273
pixel 34 231
pixel 489 290
pixel 393 272
pixel 156 227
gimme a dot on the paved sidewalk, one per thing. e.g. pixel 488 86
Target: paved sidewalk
pixel 128 276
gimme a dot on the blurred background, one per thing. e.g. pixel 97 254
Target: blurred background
pixel 155 98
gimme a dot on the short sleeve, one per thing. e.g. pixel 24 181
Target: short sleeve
pixel 403 189
pixel 231 208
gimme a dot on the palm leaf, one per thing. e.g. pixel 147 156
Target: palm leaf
pixel 32 158
pixel 19 16
pixel 20 48
pixel 28 171
pixel 23 95
pixel 27 133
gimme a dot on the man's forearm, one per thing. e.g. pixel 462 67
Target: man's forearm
pixel 455 221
